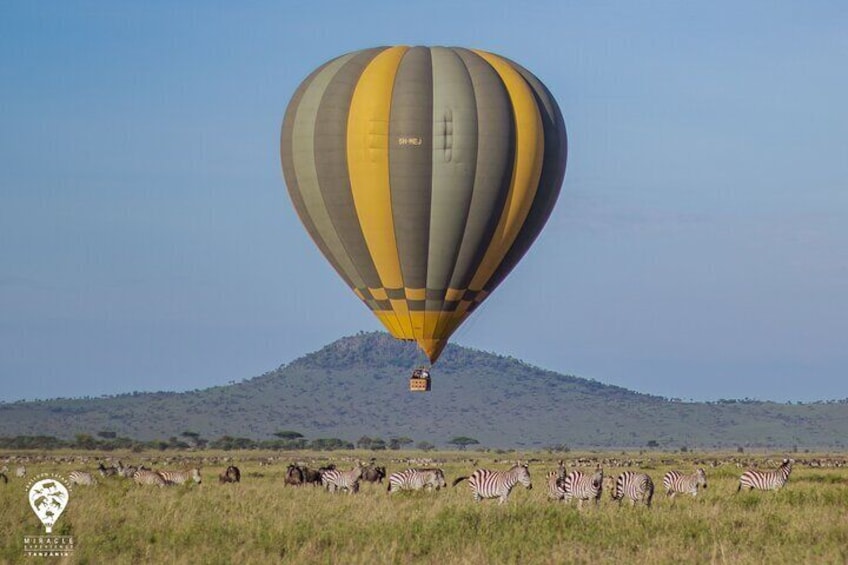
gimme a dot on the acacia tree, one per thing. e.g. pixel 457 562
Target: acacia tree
pixel 288 434
pixel 425 446
pixel 399 442
pixel 462 442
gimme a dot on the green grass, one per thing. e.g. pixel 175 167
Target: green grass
pixel 262 521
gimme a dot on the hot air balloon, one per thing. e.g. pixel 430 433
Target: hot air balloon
pixel 423 174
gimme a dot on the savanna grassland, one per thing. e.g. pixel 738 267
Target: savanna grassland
pixel 262 521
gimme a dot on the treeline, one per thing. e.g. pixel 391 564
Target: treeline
pixel 283 440
pixel 89 443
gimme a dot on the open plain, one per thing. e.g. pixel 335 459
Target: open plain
pixel 261 520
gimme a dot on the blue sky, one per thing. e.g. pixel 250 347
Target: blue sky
pixel 697 250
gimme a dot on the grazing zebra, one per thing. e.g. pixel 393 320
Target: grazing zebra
pixel 83 478
pixel 417 479
pixel 582 486
pixel 20 472
pixel 4 478
pixel 676 482
pixel 230 475
pixel 554 482
pixel 128 471
pixel 148 477
pixel 334 480
pixel 496 484
pixel 636 487
pixel 181 477
pixel 766 480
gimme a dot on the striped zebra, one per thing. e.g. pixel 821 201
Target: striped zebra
pixel 83 478
pixel 582 486
pixel 128 471
pixel 676 482
pixel 4 478
pixel 554 480
pixel 635 487
pixel 417 479
pixel 496 484
pixel 766 480
pixel 336 480
pixel 20 472
pixel 181 477
pixel 148 477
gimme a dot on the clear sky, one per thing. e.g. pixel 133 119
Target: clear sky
pixel 698 249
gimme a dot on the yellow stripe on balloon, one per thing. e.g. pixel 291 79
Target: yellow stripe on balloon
pixel 368 167
pixel 527 169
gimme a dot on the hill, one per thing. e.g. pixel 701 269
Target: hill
pixel 357 386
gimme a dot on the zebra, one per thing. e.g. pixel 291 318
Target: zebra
pixel 148 477
pixel 334 479
pixel 582 486
pixel 181 477
pixel 636 487
pixel 4 478
pixel 128 471
pixel 554 481
pixel 496 484
pixel 83 478
pixel 676 482
pixel 20 472
pixel 417 479
pixel 766 480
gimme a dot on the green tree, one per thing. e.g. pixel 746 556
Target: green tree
pixel 288 434
pixel 397 443
pixel 329 444
pixel 425 446
pixel 85 441
pixel 463 441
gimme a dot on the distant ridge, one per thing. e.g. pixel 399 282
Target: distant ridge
pixel 357 386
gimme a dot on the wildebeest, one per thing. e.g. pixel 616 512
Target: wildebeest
pixel 108 471
pixel 294 475
pixel 313 476
pixel 374 474
pixel 230 475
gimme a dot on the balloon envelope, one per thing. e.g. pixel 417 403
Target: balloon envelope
pixel 423 174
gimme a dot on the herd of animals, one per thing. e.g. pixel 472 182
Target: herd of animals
pixel 582 486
